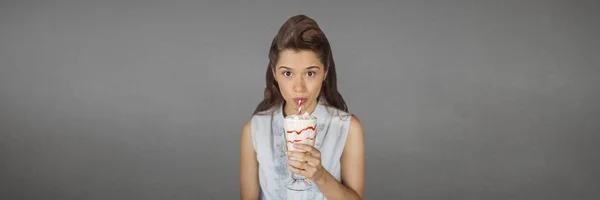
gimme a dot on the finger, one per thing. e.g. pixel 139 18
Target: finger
pixel 297 155
pixel 296 164
pixel 299 165
pixel 296 170
pixel 299 171
pixel 316 153
pixel 312 161
pixel 304 147
pixel 308 148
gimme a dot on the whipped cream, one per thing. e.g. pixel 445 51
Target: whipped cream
pixel 303 116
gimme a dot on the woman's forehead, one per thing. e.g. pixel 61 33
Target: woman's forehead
pixel 298 59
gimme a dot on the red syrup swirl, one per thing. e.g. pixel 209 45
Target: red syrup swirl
pixel 299 132
pixel 296 141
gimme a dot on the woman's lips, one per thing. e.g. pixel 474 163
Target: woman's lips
pixel 300 101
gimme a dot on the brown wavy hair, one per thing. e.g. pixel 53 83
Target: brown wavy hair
pixel 301 33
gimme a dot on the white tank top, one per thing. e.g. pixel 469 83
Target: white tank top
pixel 269 144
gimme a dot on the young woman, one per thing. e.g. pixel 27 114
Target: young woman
pixel 301 66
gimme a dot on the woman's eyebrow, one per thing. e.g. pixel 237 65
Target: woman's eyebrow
pixel 311 67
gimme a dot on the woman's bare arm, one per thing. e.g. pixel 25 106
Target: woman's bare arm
pixel 353 162
pixel 249 186
pixel 353 158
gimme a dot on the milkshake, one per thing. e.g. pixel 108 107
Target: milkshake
pixel 299 129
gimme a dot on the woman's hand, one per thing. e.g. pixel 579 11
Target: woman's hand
pixel 311 166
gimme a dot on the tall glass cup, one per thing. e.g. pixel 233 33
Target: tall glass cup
pixel 299 129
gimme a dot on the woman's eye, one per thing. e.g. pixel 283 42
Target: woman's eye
pixel 287 73
pixel 310 73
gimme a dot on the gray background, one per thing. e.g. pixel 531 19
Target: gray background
pixel 147 99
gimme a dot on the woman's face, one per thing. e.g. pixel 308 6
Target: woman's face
pixel 300 75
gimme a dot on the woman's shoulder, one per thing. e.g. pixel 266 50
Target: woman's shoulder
pixel 355 124
pixel 349 118
pixel 260 119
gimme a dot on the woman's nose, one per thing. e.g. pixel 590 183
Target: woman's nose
pixel 299 85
